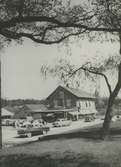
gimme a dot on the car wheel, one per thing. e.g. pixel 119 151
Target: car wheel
pixel 29 135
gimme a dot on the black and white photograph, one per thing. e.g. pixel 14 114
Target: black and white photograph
pixel 60 83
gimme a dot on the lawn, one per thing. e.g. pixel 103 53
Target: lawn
pixel 79 149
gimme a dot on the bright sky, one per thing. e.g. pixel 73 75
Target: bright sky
pixel 21 66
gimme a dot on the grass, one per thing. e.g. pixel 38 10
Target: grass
pixel 78 149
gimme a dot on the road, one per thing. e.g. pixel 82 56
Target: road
pixel 11 138
pixel 75 126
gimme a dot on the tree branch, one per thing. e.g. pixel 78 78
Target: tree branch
pixel 30 19
pixel 93 72
pixel 13 35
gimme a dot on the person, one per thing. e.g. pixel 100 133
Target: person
pixel 17 125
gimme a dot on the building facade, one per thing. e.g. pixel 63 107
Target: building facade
pixel 71 103
pixel 6 114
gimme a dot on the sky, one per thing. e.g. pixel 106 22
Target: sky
pixel 21 65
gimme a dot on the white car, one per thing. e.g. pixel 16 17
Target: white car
pixel 61 123
pixel 116 118
pixel 36 123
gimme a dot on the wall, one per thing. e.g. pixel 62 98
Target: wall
pixel 61 99
pixel 86 104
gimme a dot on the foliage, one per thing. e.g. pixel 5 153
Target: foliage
pixel 19 102
pixel 52 21
pixel 72 74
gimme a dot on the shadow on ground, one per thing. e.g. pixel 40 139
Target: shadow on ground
pixel 89 134
pixel 68 160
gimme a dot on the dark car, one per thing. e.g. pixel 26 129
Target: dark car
pixel 32 131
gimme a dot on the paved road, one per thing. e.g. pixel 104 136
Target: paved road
pixel 10 136
pixel 77 125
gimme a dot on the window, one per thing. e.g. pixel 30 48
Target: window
pixel 89 104
pixel 61 94
pixel 86 104
pixel 93 105
pixel 79 104
pixel 68 102
pixel 55 103
pixel 60 102
pixel 82 104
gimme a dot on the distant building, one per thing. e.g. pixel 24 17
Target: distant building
pixel 6 114
pixel 29 110
pixel 71 102
pixel 23 111
pixel 36 110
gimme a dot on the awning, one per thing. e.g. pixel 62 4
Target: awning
pixel 83 112
pixel 73 113
pixel 86 112
pixel 63 110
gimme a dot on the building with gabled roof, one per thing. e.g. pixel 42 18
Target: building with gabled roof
pixel 23 111
pixel 6 114
pixel 33 110
pixel 76 92
pixel 71 101
pixel 36 107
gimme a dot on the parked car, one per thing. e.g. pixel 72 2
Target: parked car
pixel 37 123
pixel 61 123
pixel 89 118
pixel 29 130
pixel 33 131
pixel 116 118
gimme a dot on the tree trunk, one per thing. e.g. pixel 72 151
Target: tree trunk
pixel 108 116
pixel 0 112
pixel 107 120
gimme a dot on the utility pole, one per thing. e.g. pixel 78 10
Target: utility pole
pixel 0 111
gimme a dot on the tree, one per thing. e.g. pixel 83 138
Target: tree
pixel 53 21
pixel 0 111
pixel 68 73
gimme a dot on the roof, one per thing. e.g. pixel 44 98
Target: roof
pixel 26 108
pixel 62 110
pixel 79 93
pixel 36 107
pixel 5 112
pixel 76 92
pixel 12 109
